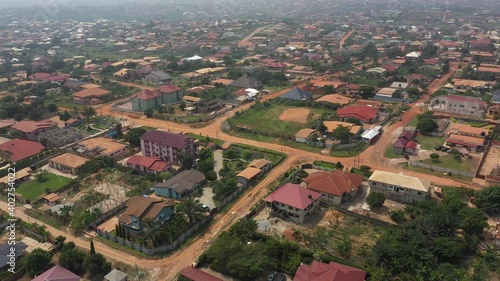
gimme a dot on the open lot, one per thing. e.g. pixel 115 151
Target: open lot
pixel 429 142
pixel 32 190
pixel 268 121
pixel 299 115
pixel 448 161
pixel 491 161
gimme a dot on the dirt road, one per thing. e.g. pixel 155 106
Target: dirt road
pixel 171 265
pixel 245 42
pixel 342 41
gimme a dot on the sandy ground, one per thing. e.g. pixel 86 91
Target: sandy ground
pixel 295 115
pixel 109 225
pixel 492 160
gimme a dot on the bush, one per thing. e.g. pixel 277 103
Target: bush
pixel 397 216
pixel 375 199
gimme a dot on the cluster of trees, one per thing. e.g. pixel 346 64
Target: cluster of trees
pixel 488 200
pixel 430 241
pixel 134 136
pixel 425 122
pixel 122 232
pixel 244 253
pixel 71 258
pixel 271 78
pixel 94 165
pixel 10 107
pixel 206 164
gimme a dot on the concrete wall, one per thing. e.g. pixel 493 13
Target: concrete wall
pixel 441 169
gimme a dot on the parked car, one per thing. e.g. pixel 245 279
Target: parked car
pixel 444 149
pixel 206 208
pixel 438 148
pixel 271 276
pixel 275 276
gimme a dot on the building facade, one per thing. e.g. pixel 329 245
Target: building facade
pixel 398 187
pixel 167 146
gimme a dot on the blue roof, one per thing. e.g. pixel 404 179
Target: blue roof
pixel 496 96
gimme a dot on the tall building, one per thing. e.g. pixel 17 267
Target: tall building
pixel 167 146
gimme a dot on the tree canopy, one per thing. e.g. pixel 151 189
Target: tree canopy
pixel 488 200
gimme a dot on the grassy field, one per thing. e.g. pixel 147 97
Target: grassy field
pixel 389 153
pixel 32 190
pixel 349 152
pixel 447 161
pixel 463 179
pixel 413 122
pixel 324 164
pixel 266 121
pixel 428 142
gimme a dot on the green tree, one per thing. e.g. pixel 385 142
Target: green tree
pixel 134 136
pixel 342 134
pixel 37 262
pixel 72 260
pixel 473 221
pixel 186 160
pixel 427 125
pixel 192 209
pixel 92 248
pixel 434 157
pixel 182 105
pixel 52 107
pixel 366 92
pixel 42 176
pixel 96 263
pixel 398 216
pixel 488 200
pixel 375 199
pixel 88 112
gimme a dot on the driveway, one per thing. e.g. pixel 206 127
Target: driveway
pixel 206 197
pixel 218 162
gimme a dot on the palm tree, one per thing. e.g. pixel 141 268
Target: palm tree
pixel 382 254
pixel 88 112
pixel 192 209
pixel 149 232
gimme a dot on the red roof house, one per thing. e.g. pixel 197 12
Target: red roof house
pixel 147 95
pixel 195 274
pixel 19 149
pixel 57 273
pixel 365 114
pixel 169 88
pixel 319 271
pixel 40 76
pixel 295 201
pixel 148 165
pixel 335 186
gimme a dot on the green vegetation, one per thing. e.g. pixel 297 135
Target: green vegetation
pixel 325 164
pixel 449 161
pixel 488 200
pixel 389 153
pixel 413 122
pixel 429 142
pixel 349 152
pixel 265 120
pixel 375 200
pixel 32 190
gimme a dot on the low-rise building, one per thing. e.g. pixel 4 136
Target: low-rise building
pixel 91 96
pixel 459 105
pixel 57 273
pixel 248 175
pixel 195 274
pixel 263 164
pixel 19 149
pixel 365 114
pixel 335 187
pixel 399 187
pixel 184 184
pixel 141 208
pixel 67 163
pixel 333 125
pixel 101 146
pixel 31 130
pixel 303 135
pixel 332 272
pixel 468 130
pixel 471 143
pixel 293 202
pixel 147 165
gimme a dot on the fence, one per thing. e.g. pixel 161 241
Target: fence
pixel 106 216
pixel 322 168
pixel 441 169
pixel 359 216
pixel 193 118
pixel 349 145
pixel 151 251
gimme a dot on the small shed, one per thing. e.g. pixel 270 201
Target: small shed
pixel 116 275
pixel 51 199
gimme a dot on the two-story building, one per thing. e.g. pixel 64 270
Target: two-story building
pixel 185 183
pixel 67 163
pixel 167 146
pixel 399 187
pixel 459 105
pixel 139 209
pixel 293 202
pixel 31 130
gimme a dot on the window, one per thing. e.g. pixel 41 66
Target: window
pixel 374 183
pixel 419 193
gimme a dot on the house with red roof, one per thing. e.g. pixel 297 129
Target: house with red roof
pixel 170 93
pixel 319 271
pixel 40 76
pixel 365 114
pixel 166 145
pixel 404 143
pixel 31 130
pixel 146 100
pixel 148 165
pixel 57 273
pixel 19 149
pixel 336 186
pixel 293 202
pixel 91 96
pixel 195 274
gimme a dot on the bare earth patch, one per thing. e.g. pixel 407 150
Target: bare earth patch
pixel 298 115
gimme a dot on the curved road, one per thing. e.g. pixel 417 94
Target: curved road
pixel 171 265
